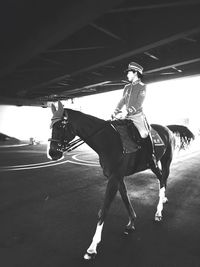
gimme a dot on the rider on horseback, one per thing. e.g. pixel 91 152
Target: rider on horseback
pixel 133 97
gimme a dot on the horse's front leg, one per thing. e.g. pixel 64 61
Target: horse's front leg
pixel 131 213
pixel 111 190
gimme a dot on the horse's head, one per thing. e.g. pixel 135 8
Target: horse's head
pixel 62 132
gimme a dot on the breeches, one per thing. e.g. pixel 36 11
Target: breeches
pixel 139 121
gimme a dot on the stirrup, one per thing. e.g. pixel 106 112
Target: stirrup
pixel 154 163
pixel 154 166
pixel 154 159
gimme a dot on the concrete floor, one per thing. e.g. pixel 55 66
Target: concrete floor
pixel 48 212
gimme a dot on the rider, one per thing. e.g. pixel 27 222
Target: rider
pixel 133 97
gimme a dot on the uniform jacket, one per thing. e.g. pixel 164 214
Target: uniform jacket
pixel 133 98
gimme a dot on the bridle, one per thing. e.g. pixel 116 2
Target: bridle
pixel 63 144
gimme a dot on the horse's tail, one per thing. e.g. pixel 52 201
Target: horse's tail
pixel 184 135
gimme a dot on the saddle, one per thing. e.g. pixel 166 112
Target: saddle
pixel 130 136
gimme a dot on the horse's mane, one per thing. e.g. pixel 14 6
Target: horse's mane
pixel 80 116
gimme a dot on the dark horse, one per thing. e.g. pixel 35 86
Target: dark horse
pixel 103 138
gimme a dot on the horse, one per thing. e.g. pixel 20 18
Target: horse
pixel 105 140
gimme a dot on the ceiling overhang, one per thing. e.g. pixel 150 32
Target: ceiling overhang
pixel 65 49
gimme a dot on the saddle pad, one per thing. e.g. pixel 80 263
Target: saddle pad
pixel 128 145
pixel 156 138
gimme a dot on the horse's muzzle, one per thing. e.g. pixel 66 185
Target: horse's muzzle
pixel 55 154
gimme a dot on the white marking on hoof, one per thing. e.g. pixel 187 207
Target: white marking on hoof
pixel 158 218
pixel 89 256
pixel 92 250
pixel 165 200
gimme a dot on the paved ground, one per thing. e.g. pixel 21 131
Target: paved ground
pixel 48 213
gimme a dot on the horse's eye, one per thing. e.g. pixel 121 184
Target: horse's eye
pixel 60 126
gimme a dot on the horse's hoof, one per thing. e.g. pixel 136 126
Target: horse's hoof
pixel 129 231
pixel 158 218
pixel 89 256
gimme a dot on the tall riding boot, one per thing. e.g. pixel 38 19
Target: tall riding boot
pixel 151 154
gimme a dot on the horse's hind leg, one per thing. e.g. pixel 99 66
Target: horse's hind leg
pixel 132 215
pixel 165 162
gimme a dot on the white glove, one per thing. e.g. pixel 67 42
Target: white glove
pixel 113 117
pixel 116 115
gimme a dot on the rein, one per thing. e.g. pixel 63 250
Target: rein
pixel 73 144
pixel 76 143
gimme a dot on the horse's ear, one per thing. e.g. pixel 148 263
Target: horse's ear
pixel 53 108
pixel 60 107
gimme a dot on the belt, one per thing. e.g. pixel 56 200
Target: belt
pixel 132 111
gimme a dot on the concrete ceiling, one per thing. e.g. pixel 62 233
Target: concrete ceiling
pixel 62 49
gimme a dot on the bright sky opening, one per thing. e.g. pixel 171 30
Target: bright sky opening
pixel 170 102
